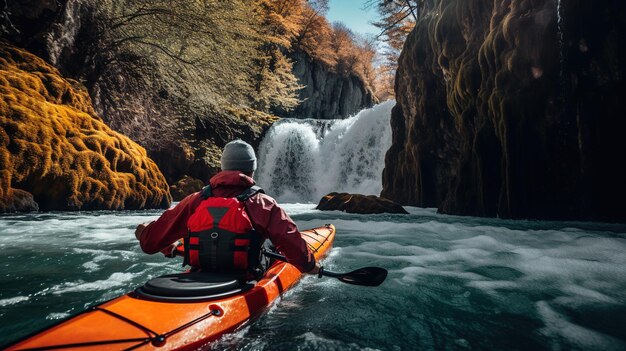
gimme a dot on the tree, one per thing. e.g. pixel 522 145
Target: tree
pixel 300 25
pixel 200 51
pixel 342 43
pixel 281 20
pixel 398 17
pixel 276 87
pixel 315 34
pixel 366 54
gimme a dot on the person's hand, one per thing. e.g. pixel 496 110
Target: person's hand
pixel 315 269
pixel 170 251
pixel 140 229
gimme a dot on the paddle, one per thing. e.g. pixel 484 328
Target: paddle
pixel 367 276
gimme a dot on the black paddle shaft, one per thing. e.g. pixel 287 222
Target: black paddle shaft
pixel 367 276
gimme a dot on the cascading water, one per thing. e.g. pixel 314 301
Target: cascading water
pixel 560 39
pixel 6 26
pixel 301 160
pixel 62 37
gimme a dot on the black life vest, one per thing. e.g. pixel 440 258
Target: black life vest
pixel 221 237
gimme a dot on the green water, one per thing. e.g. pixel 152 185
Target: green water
pixel 455 283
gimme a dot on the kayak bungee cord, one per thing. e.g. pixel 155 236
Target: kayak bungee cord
pixel 314 249
pixel 155 338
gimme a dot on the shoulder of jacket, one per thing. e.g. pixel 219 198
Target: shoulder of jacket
pixel 261 198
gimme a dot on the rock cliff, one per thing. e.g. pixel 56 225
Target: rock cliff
pixel 511 109
pixel 56 154
pixel 325 93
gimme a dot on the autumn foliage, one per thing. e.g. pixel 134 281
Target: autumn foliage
pixel 397 19
pixel 53 145
pixel 292 25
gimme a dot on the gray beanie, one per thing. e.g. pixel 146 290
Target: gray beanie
pixel 238 156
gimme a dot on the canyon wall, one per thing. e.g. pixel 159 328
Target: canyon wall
pixel 512 109
pixel 326 94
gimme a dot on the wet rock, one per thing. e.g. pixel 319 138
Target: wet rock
pixel 54 146
pixel 16 200
pixel 508 109
pixel 356 203
pixel 184 187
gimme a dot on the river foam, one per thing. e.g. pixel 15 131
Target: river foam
pixel 454 282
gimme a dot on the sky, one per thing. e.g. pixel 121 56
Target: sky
pixel 352 14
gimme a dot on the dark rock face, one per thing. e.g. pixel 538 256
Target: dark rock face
pixel 356 203
pixel 510 109
pixel 326 94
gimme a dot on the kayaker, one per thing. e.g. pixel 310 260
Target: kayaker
pixel 268 219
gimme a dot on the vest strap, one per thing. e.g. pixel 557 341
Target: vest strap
pixel 206 192
pixel 248 193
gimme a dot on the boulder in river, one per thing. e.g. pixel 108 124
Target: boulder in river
pixel 17 200
pixel 357 203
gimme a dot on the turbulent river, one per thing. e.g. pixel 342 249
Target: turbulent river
pixel 455 283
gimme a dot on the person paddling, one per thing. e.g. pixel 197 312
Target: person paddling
pixel 226 224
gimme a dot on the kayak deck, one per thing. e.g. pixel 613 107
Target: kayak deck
pixel 131 323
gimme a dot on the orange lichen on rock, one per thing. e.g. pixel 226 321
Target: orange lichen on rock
pixel 53 146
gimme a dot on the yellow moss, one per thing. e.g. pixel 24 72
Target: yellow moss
pixel 53 145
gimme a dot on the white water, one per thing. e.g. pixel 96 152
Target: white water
pixel 62 36
pixel 476 283
pixel 6 26
pixel 561 42
pixel 303 160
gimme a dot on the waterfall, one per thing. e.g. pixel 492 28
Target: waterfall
pixel 6 26
pixel 560 38
pixel 301 160
pixel 62 36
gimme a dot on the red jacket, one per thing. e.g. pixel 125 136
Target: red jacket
pixel 271 221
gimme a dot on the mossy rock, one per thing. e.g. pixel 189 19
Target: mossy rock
pixel 185 186
pixel 357 203
pixel 53 146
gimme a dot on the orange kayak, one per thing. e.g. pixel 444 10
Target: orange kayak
pixel 175 312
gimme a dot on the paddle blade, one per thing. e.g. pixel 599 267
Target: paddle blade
pixel 367 276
